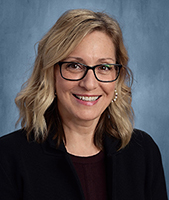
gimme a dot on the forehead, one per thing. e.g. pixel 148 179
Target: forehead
pixel 95 45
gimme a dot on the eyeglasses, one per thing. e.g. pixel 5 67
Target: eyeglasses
pixel 73 71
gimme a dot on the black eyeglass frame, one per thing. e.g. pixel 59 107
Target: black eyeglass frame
pixel 88 67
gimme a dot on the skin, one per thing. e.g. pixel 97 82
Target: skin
pixel 81 117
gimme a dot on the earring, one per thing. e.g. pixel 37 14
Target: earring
pixel 115 97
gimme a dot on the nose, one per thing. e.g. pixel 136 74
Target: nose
pixel 89 82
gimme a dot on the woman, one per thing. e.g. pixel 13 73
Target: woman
pixel 77 139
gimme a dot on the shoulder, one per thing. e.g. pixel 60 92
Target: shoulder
pixel 147 154
pixel 15 149
pixel 144 143
pixel 13 143
pixel 18 134
pixel 142 139
pixel 13 139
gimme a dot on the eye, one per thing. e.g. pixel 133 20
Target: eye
pixel 73 66
pixel 105 67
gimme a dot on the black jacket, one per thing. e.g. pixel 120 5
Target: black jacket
pixel 32 171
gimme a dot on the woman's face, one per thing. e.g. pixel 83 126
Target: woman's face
pixel 86 100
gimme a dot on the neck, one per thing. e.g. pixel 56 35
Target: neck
pixel 80 138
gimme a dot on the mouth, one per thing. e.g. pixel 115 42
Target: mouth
pixel 87 98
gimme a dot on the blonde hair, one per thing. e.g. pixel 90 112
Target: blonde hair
pixel 36 101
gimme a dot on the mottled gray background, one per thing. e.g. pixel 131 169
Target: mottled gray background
pixel 145 26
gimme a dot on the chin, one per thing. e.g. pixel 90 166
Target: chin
pixel 88 117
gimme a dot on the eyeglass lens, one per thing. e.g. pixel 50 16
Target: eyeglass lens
pixel 76 71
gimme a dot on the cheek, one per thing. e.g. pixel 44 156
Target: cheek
pixel 109 89
pixel 62 86
pixel 59 82
pixel 56 78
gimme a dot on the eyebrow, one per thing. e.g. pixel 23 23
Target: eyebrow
pixel 103 59
pixel 100 59
pixel 76 58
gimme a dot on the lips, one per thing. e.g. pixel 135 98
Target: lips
pixel 87 98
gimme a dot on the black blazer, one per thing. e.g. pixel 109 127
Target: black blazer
pixel 32 171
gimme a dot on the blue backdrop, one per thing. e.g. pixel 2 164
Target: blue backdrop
pixel 146 34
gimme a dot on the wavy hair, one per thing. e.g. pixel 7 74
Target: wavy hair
pixel 36 100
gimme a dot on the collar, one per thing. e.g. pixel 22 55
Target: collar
pixel 110 145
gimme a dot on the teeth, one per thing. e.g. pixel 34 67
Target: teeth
pixel 87 98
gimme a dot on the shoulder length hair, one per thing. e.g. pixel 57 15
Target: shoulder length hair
pixel 36 101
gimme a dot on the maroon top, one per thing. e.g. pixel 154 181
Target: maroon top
pixel 91 172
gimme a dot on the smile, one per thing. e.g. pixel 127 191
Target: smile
pixel 86 98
